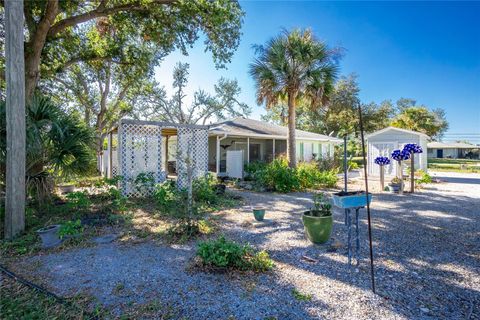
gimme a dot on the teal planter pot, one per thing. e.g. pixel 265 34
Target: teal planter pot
pixel 317 229
pixel 259 213
pixel 355 199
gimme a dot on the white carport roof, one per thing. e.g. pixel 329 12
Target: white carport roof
pixel 259 129
pixel 396 129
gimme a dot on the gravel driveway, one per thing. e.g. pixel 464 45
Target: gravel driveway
pixel 426 246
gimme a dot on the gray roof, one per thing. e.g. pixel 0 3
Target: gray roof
pixel 451 145
pixel 255 128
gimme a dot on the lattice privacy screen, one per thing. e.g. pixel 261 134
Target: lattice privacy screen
pixel 140 154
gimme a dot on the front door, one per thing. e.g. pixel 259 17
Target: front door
pixel 254 152
pixel 439 153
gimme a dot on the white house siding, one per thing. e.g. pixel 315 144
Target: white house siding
pixel 447 153
pixel 321 149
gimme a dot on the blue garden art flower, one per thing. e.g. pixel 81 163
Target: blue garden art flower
pixel 382 161
pixel 400 155
pixel 412 148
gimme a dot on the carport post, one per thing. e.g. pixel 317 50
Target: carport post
pixel 248 149
pixel 273 149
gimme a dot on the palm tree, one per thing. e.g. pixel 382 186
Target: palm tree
pixel 294 67
pixel 58 146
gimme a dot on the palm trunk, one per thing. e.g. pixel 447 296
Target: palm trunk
pixel 291 143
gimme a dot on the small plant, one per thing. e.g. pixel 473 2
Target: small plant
pixel 226 254
pixel 78 200
pixel 113 181
pixel 165 194
pixel 424 177
pixel 144 182
pixel 301 296
pixel 321 206
pixel 70 228
pixel 395 180
pixel 204 189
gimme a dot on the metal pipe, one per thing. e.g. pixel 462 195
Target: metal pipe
pixel 366 195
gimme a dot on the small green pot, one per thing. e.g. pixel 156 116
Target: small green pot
pixel 259 213
pixel 317 229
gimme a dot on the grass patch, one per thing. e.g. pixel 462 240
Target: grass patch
pixel 22 302
pixel 454 165
pixel 301 296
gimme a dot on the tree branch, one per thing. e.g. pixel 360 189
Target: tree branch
pixel 100 11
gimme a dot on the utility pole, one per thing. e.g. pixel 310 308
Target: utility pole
pixel 15 110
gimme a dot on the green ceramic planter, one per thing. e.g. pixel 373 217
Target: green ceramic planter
pixel 317 229
pixel 259 213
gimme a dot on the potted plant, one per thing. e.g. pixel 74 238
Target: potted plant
pixel 318 220
pixel 49 235
pixel 258 213
pixel 395 185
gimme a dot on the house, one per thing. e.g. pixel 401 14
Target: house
pixel 233 143
pixel 383 142
pixel 453 150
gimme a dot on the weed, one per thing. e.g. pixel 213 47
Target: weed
pixel 301 296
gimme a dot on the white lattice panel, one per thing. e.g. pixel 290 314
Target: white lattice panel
pixel 140 152
pixel 192 148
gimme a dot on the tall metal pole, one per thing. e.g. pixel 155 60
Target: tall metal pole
pixel 345 163
pixel 15 115
pixel 366 195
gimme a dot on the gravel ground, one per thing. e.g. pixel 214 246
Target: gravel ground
pixel 426 246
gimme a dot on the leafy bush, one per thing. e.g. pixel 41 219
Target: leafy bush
pixel 254 170
pixel 279 176
pixel 226 254
pixel 144 182
pixel 204 189
pixel 424 177
pixel 78 200
pixel 166 194
pixel 70 228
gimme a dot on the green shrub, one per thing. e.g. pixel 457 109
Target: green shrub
pixel 309 176
pixel 78 200
pixel 226 254
pixel 255 170
pixel 424 177
pixel 204 189
pixel 166 194
pixel 279 176
pixel 70 228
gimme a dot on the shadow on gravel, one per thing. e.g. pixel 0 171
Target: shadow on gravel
pixel 426 247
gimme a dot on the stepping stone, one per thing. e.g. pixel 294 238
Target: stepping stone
pixel 105 239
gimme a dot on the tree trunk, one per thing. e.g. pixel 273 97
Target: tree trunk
pixel 15 115
pixel 291 143
pixel 35 46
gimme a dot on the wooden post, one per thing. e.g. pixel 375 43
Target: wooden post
pixel 15 115
pixel 248 149
pixel 110 155
pixel 273 148
pixel 218 156
pixel 412 173
pixel 382 178
pixel 166 154
pixel 401 177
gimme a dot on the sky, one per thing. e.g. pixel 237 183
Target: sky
pixel 428 51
